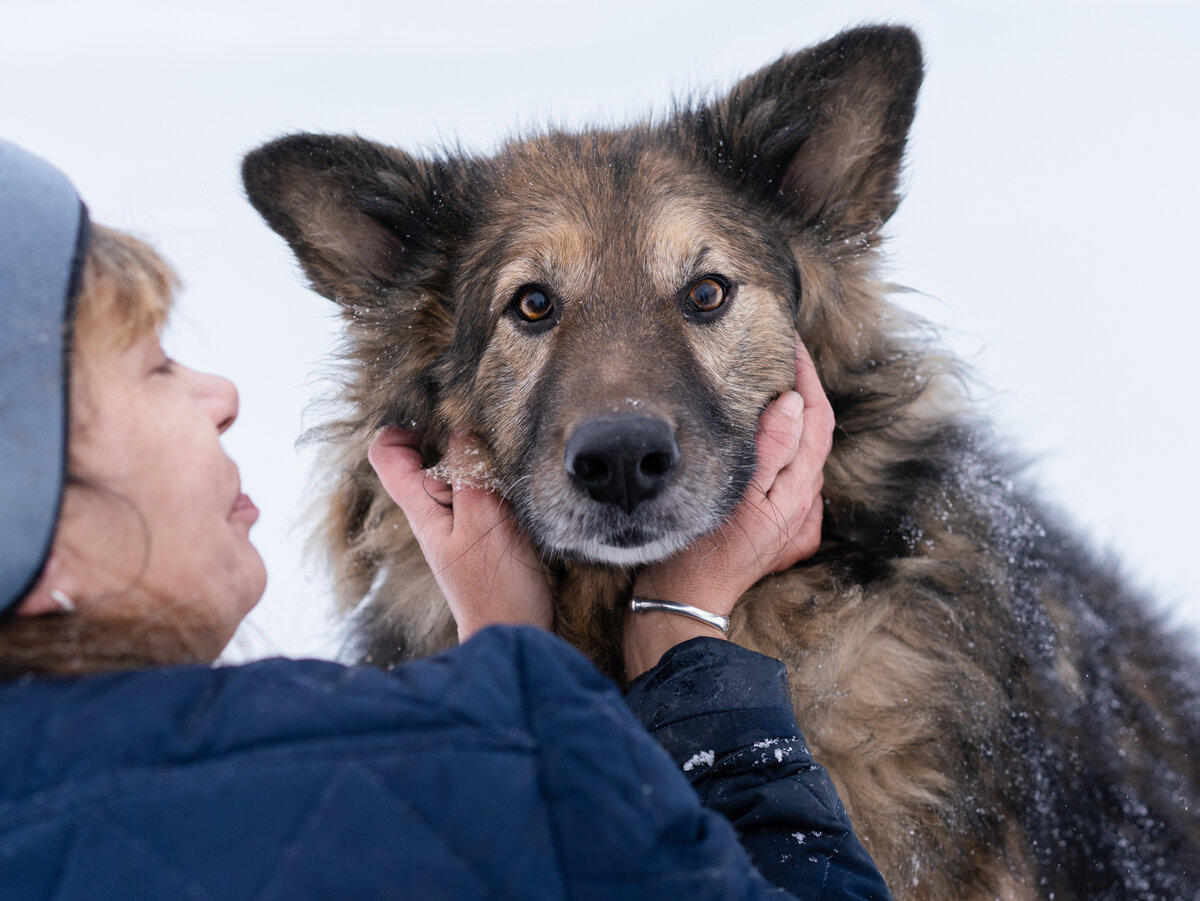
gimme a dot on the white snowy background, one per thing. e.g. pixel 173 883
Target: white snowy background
pixel 1051 220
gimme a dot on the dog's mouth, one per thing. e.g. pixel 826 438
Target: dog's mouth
pixel 573 527
pixel 631 537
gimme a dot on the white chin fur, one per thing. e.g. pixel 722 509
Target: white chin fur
pixel 596 552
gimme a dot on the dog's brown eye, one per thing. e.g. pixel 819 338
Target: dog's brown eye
pixel 706 295
pixel 533 305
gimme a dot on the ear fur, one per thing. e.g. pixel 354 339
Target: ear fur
pixel 821 132
pixel 373 229
pixel 358 215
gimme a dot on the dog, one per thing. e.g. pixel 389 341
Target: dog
pixel 610 311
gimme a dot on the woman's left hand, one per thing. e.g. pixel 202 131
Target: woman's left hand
pixel 777 524
pixel 485 565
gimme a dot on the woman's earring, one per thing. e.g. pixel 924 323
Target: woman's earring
pixel 60 597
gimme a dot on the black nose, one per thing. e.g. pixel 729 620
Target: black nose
pixel 622 460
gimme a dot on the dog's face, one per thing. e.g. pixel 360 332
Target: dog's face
pixel 619 326
pixel 611 311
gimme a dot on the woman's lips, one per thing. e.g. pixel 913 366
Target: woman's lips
pixel 244 510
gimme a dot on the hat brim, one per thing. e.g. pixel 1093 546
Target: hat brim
pixel 43 241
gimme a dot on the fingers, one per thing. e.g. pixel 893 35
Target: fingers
pixel 807 539
pixel 477 510
pixel 797 487
pixel 796 430
pixel 396 458
pixel 791 466
pixel 803 539
pixel 474 507
pixel 817 438
pixel 779 435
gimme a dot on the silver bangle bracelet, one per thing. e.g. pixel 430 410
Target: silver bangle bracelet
pixel 638 605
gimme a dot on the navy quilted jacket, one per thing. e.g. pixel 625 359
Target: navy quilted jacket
pixel 507 768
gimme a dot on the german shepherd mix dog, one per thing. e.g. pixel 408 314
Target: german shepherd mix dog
pixel 611 311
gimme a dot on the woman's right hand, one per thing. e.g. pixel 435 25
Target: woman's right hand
pixel 777 524
pixel 485 565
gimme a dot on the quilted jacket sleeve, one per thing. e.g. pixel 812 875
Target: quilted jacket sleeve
pixel 724 714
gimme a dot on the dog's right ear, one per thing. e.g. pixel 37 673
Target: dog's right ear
pixel 358 215
pixel 820 134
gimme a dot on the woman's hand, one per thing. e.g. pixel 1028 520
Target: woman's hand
pixel 485 565
pixel 776 525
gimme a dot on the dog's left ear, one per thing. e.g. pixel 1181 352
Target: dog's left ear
pixel 359 216
pixel 821 132
pixel 374 229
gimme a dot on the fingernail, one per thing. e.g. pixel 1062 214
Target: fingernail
pixel 792 405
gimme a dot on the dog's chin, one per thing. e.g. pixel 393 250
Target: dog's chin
pixel 586 532
pixel 633 547
pixel 625 554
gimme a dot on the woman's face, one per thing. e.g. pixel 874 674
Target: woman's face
pixel 161 520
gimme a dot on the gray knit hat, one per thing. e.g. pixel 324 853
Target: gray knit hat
pixel 43 239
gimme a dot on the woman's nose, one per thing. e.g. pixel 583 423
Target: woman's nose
pixel 221 398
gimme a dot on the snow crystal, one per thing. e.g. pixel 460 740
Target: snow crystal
pixel 470 467
pixel 700 758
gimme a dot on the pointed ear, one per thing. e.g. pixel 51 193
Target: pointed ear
pixel 358 215
pixel 821 132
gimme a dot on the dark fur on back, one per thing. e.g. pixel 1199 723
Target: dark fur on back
pixel 1003 717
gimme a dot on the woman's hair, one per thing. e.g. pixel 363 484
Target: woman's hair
pixel 126 292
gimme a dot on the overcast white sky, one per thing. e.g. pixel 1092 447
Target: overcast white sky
pixel 1050 222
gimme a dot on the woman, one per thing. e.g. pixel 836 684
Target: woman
pixel 506 768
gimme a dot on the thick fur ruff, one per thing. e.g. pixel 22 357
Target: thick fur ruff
pixel 1003 718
